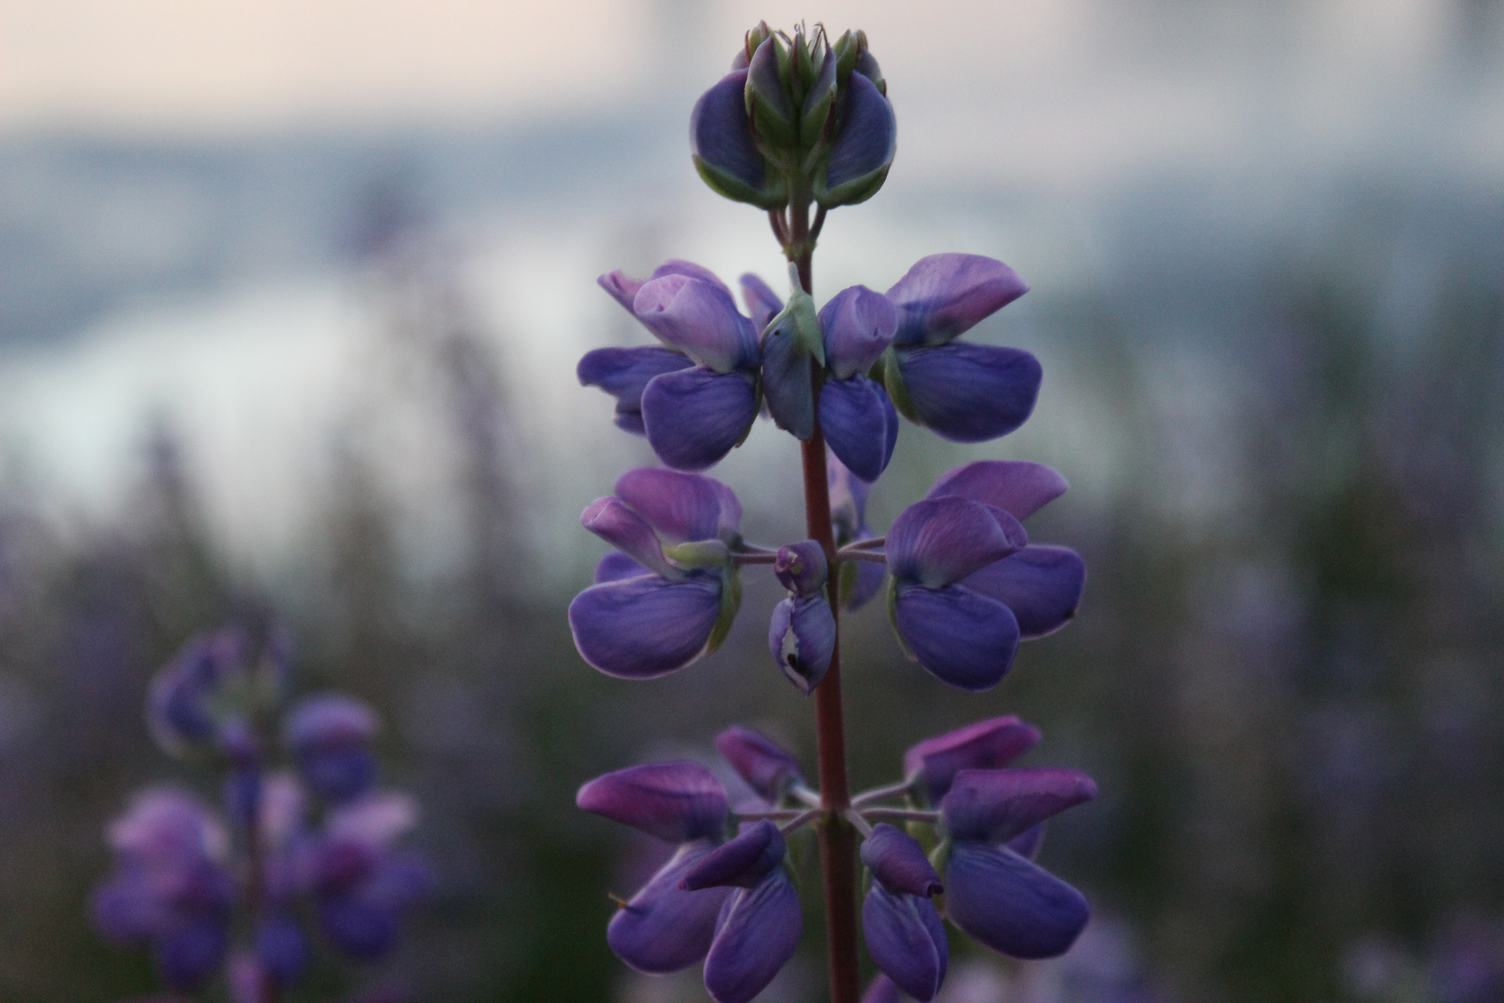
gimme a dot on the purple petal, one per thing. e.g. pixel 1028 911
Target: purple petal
pixel 860 581
pixel 1015 486
pixel 788 382
pixel 1042 585
pixel 129 910
pixel 1026 844
pixel 623 288
pixel 860 425
pixel 620 525
pixel 942 540
pixel 848 499
pixel 757 935
pixel 624 373
pixel 858 325
pixel 802 638
pixel 681 506
pixel 1010 904
pixel 766 766
pixel 742 862
pixel 882 990
pixel 677 801
pixel 761 301
pixel 906 940
pixel 616 566
pixel 190 956
pixel 645 627
pixel 768 103
pixel 934 762
pixel 699 319
pixel 960 637
pixel 863 148
pixel 723 148
pixel 898 861
pixel 969 393
pixel 996 805
pixel 944 295
pixel 664 928
pixel 331 719
pixel 695 417
pixel 360 927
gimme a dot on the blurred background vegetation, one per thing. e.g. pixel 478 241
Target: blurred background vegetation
pixel 289 307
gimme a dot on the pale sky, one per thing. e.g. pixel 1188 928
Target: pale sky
pixel 227 64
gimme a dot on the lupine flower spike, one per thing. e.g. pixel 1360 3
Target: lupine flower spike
pixel 802 125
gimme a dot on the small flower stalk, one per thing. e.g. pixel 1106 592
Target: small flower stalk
pixel 304 851
pixel 800 125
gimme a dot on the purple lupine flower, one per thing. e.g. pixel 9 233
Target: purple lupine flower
pixel 993 892
pixel 859 421
pixel 171 889
pixel 959 606
pixel 330 738
pixel 802 633
pixel 860 580
pixel 362 884
pixel 1041 584
pixel 769 769
pixel 932 764
pixel 696 397
pixel 903 931
pixel 960 636
pixel 665 927
pixel 669 597
pixel 760 924
pixel 962 391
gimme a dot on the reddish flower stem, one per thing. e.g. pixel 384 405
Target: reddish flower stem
pixel 836 836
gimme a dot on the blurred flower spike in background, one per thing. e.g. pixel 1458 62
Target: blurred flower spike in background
pixel 296 852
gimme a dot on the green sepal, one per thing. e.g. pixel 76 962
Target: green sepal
pixel 892 597
pixel 731 601
pixel 818 102
pixel 698 555
pixel 773 195
pixel 773 116
pixel 853 192
pixel 893 382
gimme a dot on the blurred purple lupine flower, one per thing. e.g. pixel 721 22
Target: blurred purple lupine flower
pixel 696 397
pixel 171 889
pixel 903 931
pixel 860 580
pixel 330 737
pixel 967 587
pixel 802 633
pixel 669 596
pixel 362 884
pixel 962 391
pixel 993 891
pixel 205 698
pixel 665 927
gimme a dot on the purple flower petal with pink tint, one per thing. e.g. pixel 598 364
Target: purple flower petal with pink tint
pixel 944 295
pixel 934 762
pixel 678 801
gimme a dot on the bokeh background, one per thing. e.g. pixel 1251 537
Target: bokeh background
pixel 290 298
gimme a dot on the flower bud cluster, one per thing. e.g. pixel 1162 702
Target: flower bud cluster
pixel 798 117
pixel 306 848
